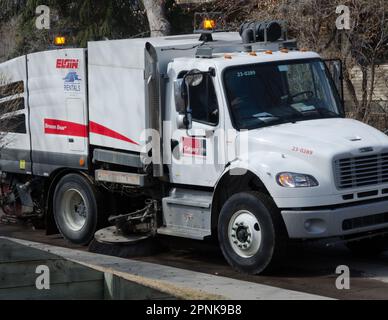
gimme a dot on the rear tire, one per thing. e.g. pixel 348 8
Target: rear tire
pixel 368 247
pixel 251 232
pixel 77 209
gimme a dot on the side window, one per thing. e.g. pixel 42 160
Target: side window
pixel 203 101
pixel 11 89
pixel 11 102
pixel 15 124
pixel 11 106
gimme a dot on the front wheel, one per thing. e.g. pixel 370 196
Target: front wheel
pixel 76 209
pixel 250 232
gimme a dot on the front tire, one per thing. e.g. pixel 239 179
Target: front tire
pixel 251 233
pixel 76 209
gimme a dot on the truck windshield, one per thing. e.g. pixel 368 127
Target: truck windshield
pixel 266 94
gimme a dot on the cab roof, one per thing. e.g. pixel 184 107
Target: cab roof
pixel 223 60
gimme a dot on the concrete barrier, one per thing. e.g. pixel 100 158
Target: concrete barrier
pixel 133 279
pixel 68 280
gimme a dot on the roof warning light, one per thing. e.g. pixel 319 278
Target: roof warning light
pixel 209 24
pixel 206 23
pixel 60 41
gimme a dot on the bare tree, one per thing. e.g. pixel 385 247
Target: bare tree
pixel 363 47
pixel 156 14
pixel 8 26
pixel 313 23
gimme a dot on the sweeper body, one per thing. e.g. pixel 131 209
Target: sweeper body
pixel 226 137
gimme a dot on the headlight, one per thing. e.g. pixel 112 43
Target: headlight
pixel 296 180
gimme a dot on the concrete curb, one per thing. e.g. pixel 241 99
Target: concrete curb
pixel 162 286
pixel 178 283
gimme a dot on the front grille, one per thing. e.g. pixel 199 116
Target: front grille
pixel 361 171
pixel 366 221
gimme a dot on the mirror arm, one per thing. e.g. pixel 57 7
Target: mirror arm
pixel 188 112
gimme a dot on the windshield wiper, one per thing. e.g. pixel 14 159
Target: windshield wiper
pixel 265 117
pixel 268 119
pixel 320 113
pixel 327 113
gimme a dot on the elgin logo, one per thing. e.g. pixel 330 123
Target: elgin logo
pixel 67 63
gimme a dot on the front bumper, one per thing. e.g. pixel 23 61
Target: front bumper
pixel 313 224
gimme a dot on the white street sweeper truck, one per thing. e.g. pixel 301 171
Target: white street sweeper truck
pixel 239 137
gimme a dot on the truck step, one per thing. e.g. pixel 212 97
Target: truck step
pixel 187 214
pixel 133 179
pixel 183 233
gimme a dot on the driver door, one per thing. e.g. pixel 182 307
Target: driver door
pixel 198 153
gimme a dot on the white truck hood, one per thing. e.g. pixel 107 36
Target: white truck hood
pixel 326 137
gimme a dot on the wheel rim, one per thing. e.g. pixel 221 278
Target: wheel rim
pixel 244 234
pixel 74 209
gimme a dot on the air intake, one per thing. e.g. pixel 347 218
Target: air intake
pixel 267 31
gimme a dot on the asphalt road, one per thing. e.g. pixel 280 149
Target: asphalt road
pixel 309 268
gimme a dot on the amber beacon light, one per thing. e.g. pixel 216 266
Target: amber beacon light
pixel 209 24
pixel 60 41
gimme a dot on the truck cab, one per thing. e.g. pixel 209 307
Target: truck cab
pixel 292 154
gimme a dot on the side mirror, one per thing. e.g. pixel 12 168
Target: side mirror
pixel 180 103
pixel 182 90
pixel 184 117
pixel 194 78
